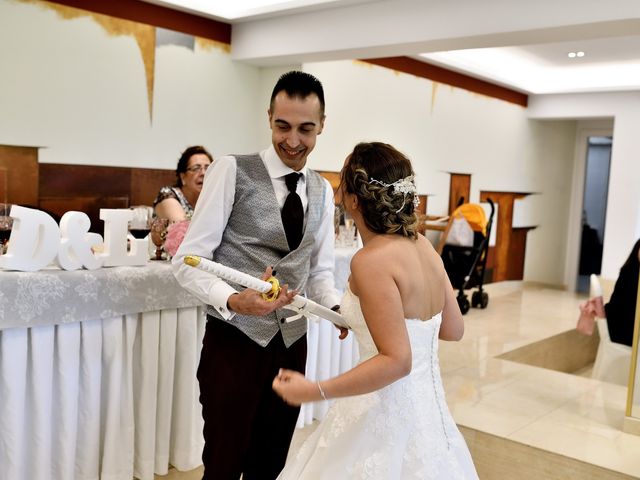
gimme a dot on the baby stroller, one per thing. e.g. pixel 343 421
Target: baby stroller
pixel 465 260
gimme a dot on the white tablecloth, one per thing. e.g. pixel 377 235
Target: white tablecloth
pixel 108 397
pixel 98 372
pixel 56 296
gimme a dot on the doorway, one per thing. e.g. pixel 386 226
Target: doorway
pixel 594 208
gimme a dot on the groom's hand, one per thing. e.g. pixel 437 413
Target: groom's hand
pixel 343 331
pixel 250 302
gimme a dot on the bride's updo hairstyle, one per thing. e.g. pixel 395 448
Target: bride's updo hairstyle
pixel 382 179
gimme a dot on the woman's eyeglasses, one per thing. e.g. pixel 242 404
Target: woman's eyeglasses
pixel 197 168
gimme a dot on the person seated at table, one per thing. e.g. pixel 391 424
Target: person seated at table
pixel 620 312
pixel 177 202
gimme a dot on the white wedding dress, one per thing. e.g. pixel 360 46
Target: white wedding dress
pixel 403 431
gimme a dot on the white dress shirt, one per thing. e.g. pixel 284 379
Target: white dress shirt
pixel 210 219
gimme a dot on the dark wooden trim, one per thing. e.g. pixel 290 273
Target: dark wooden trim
pixel 3 185
pixel 510 246
pixel 459 188
pixel 88 188
pixel 517 251
pixel 157 16
pixel 443 75
pixel 21 174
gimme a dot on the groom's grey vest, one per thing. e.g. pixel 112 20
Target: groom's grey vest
pixel 254 238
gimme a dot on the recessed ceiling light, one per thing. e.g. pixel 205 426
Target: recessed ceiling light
pixel 579 54
pixel 571 54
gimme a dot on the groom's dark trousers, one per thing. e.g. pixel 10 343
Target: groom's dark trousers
pixel 247 427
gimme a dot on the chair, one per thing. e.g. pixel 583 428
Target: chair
pixel 613 360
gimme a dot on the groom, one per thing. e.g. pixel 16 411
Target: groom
pixel 259 210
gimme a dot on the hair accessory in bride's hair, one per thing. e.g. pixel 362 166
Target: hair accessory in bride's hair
pixel 403 186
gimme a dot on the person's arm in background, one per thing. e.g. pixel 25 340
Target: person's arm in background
pixel 170 208
pixel 321 284
pixel 205 234
pixel 621 308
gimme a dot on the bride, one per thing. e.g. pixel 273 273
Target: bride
pixel 391 421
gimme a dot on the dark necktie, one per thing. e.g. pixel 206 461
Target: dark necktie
pixel 292 212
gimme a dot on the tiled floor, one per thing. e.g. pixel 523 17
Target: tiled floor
pixel 570 415
pixel 176 475
pixel 538 409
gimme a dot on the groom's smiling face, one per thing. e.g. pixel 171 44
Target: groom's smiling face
pixel 295 124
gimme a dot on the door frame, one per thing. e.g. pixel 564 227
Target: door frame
pixel 584 130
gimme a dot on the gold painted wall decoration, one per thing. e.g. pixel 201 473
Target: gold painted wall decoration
pixel 144 35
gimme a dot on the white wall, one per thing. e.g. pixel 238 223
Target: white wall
pixel 622 226
pixel 445 129
pixel 68 86
pixel 81 94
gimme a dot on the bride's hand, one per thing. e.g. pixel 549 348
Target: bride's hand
pixel 294 388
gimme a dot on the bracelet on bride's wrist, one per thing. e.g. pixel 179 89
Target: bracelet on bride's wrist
pixel 324 396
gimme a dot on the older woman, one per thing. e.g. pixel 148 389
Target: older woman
pixel 177 202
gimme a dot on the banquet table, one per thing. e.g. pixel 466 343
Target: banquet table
pixel 98 372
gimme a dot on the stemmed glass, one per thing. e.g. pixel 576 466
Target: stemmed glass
pixel 140 224
pixel 158 235
pixel 6 223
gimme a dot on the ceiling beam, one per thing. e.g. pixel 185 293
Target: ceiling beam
pixel 157 16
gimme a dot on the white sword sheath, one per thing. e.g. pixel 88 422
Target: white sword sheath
pixel 300 304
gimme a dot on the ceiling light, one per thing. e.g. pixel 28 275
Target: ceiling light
pixel 571 54
pixel 579 54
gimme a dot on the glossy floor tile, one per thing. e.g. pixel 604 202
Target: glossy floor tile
pixel 568 415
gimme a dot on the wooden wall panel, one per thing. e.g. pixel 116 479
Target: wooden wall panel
pixel 88 188
pixel 510 247
pixel 517 250
pixel 3 185
pixel 490 266
pixel 58 206
pixel 60 180
pixel 146 182
pixel 459 187
pixel 21 165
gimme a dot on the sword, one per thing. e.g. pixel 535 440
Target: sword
pixel 268 288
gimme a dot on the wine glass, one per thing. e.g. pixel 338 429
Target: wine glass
pixel 338 218
pixel 140 224
pixel 6 223
pixel 158 234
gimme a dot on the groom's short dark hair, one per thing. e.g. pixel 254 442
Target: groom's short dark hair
pixel 297 84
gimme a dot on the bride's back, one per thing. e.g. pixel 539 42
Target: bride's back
pixel 420 276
